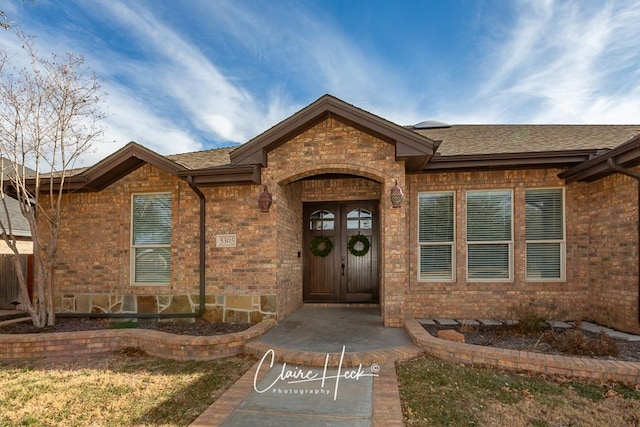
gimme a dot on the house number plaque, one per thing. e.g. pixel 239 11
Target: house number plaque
pixel 226 241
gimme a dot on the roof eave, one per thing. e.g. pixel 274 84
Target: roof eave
pixel 626 155
pixel 109 170
pixel 225 175
pixel 543 159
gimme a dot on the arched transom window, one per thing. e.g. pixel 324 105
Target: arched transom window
pixel 322 220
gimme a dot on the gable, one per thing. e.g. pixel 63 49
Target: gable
pixel 112 168
pixel 410 146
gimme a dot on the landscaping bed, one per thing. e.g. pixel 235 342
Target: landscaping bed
pixel 197 328
pixel 569 342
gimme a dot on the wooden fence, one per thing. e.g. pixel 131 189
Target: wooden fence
pixel 9 286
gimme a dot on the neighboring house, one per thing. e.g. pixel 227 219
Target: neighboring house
pixel 12 218
pixel 493 217
pixel 20 229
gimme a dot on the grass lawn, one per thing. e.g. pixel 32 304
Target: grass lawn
pixel 129 388
pixel 115 389
pixel 437 393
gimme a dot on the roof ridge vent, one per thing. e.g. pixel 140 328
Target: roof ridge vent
pixel 431 124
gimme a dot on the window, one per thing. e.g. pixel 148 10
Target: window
pixel 151 239
pixel 489 235
pixel 545 234
pixel 322 220
pixel 359 219
pixel 436 230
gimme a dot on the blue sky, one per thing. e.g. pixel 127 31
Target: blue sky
pixel 190 75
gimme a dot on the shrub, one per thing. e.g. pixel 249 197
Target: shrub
pixel 574 341
pixel 530 320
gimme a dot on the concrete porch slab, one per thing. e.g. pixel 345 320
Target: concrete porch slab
pixel 313 336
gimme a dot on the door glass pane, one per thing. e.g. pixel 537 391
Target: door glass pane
pixel 322 220
pixel 359 219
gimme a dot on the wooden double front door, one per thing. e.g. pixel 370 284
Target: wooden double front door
pixel 349 271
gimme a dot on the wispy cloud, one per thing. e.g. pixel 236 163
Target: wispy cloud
pixel 206 74
pixel 562 63
pixel 306 48
pixel 185 79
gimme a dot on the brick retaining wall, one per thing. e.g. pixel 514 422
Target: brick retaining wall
pixel 154 343
pixel 581 367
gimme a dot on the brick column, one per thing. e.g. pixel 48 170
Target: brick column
pixel 394 256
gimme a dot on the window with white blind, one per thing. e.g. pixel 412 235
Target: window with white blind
pixel 436 235
pixel 489 235
pixel 151 239
pixel 545 234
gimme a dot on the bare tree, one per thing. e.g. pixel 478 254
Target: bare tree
pixel 4 23
pixel 49 114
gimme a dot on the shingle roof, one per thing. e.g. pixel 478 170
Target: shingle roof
pixel 479 139
pixel 473 139
pixel 494 139
pixel 19 224
pixel 203 159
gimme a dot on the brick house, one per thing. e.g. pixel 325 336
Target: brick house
pixel 493 217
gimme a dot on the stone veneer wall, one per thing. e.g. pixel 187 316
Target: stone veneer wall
pixel 462 298
pixel 218 308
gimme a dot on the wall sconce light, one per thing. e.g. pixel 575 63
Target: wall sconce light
pixel 265 200
pixel 397 196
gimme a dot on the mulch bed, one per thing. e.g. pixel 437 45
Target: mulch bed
pixel 542 342
pixel 496 336
pixel 173 327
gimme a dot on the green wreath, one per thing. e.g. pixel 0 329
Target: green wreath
pixel 353 241
pixel 324 242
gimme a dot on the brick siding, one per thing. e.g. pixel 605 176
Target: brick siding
pixel 611 246
pixel 262 276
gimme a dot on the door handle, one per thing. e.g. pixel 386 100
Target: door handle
pixel 342 266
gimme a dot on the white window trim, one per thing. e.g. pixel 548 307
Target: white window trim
pixel 494 242
pixel 132 250
pixel 452 244
pixel 563 242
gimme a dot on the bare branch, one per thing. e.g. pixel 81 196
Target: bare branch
pixel 49 116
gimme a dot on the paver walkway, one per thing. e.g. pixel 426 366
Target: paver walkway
pixel 367 401
pixel 356 392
